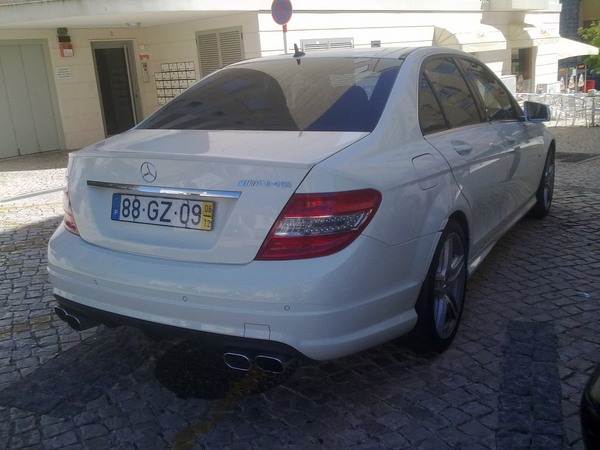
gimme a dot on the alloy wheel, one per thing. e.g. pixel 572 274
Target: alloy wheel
pixel 548 187
pixel 449 286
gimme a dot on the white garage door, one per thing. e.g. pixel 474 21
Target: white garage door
pixel 28 120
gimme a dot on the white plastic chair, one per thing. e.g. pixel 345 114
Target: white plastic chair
pixel 573 108
pixel 592 111
pixel 554 103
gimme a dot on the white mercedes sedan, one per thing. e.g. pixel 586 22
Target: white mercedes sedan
pixel 303 205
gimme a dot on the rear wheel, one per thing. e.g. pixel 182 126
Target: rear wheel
pixel 441 300
pixel 545 190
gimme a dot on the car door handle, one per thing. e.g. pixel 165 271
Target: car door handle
pixel 462 147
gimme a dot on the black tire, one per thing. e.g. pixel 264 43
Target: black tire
pixel 545 190
pixel 441 300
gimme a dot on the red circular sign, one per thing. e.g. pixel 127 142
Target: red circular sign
pixel 281 10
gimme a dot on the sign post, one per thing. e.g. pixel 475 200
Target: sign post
pixel 281 10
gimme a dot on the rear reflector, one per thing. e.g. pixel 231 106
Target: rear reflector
pixel 313 225
pixel 68 219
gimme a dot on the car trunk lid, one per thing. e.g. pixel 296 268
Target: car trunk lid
pixel 203 196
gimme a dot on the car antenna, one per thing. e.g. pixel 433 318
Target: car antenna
pixel 298 53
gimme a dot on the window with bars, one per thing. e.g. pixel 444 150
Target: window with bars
pixel 218 48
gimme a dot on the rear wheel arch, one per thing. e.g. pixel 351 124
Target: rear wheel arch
pixel 461 218
pixel 440 303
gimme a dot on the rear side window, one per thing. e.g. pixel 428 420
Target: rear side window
pixel 312 94
pixel 495 97
pixel 452 92
pixel 430 113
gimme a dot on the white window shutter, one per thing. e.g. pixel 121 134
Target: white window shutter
pixel 230 43
pixel 218 48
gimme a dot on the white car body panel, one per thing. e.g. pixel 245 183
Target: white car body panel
pixel 527 147
pixel 479 166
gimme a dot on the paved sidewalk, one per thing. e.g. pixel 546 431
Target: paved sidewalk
pixel 512 380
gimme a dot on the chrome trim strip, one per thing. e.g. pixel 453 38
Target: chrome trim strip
pixel 164 190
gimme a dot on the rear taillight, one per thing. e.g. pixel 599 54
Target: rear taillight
pixel 314 225
pixel 68 219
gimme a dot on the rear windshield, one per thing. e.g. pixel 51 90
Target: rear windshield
pixel 320 94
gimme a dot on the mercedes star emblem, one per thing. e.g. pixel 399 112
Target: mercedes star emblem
pixel 149 172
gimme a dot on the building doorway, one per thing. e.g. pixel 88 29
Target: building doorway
pixel 117 85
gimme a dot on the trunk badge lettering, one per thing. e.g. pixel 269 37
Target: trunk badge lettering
pixel 149 172
pixel 265 183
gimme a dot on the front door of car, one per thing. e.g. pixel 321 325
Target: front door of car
pixel 524 143
pixel 525 148
pixel 453 123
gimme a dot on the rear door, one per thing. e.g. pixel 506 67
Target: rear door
pixel 454 124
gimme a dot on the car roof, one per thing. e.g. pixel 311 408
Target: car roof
pixel 378 52
pixel 391 53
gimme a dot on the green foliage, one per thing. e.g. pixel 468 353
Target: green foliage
pixel 592 36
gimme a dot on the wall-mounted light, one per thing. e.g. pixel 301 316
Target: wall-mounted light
pixel 133 25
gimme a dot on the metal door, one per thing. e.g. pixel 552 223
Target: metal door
pixel 28 115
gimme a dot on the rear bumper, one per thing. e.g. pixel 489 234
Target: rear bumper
pixel 322 308
pixel 158 330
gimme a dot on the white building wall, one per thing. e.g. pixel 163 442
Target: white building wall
pixel 177 43
pixel 393 29
pixel 546 64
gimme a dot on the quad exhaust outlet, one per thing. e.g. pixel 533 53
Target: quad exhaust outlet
pixel 269 363
pixel 239 360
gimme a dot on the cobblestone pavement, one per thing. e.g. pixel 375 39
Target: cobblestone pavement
pixel 512 380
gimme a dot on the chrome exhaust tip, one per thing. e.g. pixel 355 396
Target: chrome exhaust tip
pixel 76 320
pixel 272 364
pixel 61 313
pixel 237 361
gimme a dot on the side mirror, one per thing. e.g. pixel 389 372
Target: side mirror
pixel 536 112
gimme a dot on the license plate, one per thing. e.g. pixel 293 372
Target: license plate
pixel 166 212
